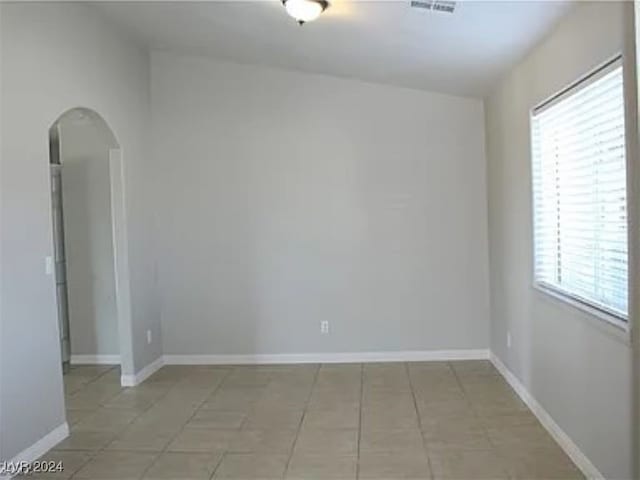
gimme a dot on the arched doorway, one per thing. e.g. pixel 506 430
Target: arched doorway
pixel 89 237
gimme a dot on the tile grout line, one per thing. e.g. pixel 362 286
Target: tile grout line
pixel 93 381
pixel 415 405
pixel 304 413
pixel 360 420
pixel 470 402
pixel 90 454
pixel 464 390
pixel 93 454
pixel 485 431
pixel 173 437
pixel 213 392
pixel 169 390
pixel 159 453
pixel 464 379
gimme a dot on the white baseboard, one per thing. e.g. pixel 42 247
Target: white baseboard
pixel 287 358
pixel 41 447
pixel 95 359
pixel 358 357
pixel 567 444
pixel 142 375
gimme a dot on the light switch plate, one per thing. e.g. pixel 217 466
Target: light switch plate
pixel 48 265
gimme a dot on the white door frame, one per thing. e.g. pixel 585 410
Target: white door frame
pixel 632 91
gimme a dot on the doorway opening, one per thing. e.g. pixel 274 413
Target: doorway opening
pixel 90 264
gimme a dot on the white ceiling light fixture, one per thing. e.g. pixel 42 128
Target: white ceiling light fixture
pixel 305 10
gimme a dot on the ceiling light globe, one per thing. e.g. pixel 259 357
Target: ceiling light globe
pixel 304 10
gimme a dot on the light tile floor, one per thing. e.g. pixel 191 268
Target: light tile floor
pixel 444 420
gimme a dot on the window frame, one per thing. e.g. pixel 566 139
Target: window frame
pixel 585 305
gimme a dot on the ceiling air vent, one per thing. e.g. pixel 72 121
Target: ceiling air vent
pixel 435 5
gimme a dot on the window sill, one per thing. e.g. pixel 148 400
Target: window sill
pixel 608 323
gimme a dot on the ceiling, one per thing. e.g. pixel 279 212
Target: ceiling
pixel 388 42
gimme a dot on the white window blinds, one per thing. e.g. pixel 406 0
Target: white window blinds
pixel 579 192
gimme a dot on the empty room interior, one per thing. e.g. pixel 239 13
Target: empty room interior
pixel 319 240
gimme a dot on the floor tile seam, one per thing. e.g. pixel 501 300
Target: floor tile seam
pixel 492 444
pixel 102 405
pixel 360 420
pixel 195 411
pixel 104 449
pixel 304 413
pixel 173 437
pixel 468 399
pixel 98 377
pixel 95 379
pixel 415 404
pixel 89 458
pixel 119 434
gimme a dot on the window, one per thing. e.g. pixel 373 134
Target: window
pixel 579 193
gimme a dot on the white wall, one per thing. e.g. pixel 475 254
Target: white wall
pixel 88 237
pixel 288 199
pixel 577 367
pixel 56 57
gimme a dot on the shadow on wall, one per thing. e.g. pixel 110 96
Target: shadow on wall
pixel 80 142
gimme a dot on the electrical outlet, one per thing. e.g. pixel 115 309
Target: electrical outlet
pixel 324 327
pixel 149 339
pixel 508 339
pixel 48 265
